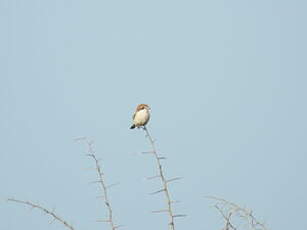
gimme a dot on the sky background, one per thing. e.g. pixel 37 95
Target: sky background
pixel 226 81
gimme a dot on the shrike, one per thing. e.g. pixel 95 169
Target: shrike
pixel 141 116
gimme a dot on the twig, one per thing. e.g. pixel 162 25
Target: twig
pixel 227 218
pixel 163 180
pixel 229 209
pixel 51 213
pixel 101 181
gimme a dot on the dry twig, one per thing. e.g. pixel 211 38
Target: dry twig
pixel 164 181
pixel 229 209
pixel 50 213
pixel 101 181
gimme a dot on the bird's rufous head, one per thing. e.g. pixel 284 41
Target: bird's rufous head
pixel 142 106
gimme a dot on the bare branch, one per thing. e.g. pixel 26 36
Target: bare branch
pixel 179 215
pixel 165 188
pixel 48 212
pixel 162 158
pixel 161 190
pixel 228 209
pixel 152 177
pixel 101 181
pixel 105 193
pixel 173 179
pixel 148 152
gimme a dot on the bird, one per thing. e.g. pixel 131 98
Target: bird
pixel 141 116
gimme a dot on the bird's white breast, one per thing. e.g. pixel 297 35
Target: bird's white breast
pixel 141 117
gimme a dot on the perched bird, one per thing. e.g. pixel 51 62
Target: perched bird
pixel 141 116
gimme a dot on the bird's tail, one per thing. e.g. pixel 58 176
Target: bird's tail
pixel 132 126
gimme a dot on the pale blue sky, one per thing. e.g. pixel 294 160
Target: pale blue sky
pixel 226 81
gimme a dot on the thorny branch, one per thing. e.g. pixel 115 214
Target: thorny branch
pixel 51 213
pixel 164 181
pixel 229 209
pixel 101 181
